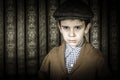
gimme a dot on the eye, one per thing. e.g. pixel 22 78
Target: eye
pixel 78 27
pixel 65 27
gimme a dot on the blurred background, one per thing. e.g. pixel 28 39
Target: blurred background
pixel 28 32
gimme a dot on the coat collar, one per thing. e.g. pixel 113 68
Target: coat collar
pixel 80 58
pixel 62 58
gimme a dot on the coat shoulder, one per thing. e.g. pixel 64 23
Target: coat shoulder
pixel 56 50
pixel 94 51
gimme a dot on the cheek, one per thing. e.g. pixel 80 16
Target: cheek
pixel 80 34
pixel 63 33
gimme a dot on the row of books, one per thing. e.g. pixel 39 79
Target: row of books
pixel 28 32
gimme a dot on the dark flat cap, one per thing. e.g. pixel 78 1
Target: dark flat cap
pixel 73 9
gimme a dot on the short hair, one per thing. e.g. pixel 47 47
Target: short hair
pixel 73 9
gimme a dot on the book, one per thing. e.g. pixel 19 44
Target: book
pixel 20 37
pixel 114 37
pixel 1 39
pixel 104 29
pixel 95 29
pixel 42 31
pixel 52 28
pixel 31 37
pixel 10 37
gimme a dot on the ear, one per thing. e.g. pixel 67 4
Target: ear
pixel 87 28
pixel 59 26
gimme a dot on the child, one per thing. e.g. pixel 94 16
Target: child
pixel 75 59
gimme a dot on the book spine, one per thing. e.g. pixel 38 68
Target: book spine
pixel 31 37
pixel 1 40
pixel 95 29
pixel 42 30
pixel 104 28
pixel 20 37
pixel 53 31
pixel 114 37
pixel 10 37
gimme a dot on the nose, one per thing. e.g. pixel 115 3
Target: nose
pixel 72 33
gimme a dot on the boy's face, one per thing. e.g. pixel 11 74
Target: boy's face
pixel 73 31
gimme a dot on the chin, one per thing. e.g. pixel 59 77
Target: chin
pixel 72 44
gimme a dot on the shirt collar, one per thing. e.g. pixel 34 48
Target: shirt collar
pixel 79 46
pixel 69 49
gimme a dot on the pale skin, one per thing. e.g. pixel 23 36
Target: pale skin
pixel 73 31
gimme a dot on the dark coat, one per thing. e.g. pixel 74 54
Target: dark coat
pixel 90 65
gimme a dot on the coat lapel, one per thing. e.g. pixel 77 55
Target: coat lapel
pixel 80 59
pixel 62 58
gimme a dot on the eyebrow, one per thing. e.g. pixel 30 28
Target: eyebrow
pixel 64 26
pixel 73 26
pixel 78 25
